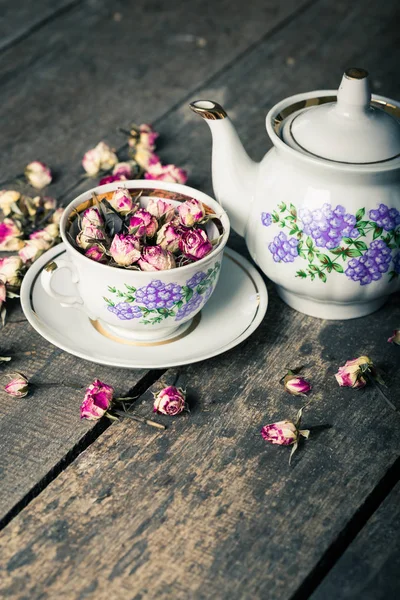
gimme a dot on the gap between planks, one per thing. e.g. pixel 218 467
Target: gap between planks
pixel 36 26
pixel 83 444
pixel 335 551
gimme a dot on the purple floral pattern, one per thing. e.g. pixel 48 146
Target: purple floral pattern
pixel 157 300
pixel 329 239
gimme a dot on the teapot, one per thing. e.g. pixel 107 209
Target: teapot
pixel 321 212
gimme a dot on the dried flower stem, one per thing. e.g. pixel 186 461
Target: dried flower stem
pixel 121 413
pixel 374 383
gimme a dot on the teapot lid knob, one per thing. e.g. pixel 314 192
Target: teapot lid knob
pixel 350 130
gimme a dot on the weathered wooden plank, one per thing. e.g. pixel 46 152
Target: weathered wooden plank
pixel 19 19
pixel 369 569
pixel 36 432
pixel 68 75
pixel 207 509
pixel 68 86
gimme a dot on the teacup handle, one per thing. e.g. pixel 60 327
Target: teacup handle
pixel 47 276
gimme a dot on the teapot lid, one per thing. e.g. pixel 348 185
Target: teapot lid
pixel 349 130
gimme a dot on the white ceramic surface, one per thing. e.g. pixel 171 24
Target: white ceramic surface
pixel 233 312
pixel 137 304
pixel 326 232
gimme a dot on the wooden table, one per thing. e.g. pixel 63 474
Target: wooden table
pixel 206 509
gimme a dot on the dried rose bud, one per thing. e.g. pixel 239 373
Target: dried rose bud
pixel 7 199
pixel 123 169
pixel 49 203
pixel 10 267
pixel 395 338
pixel 145 157
pixel 351 374
pixel 155 258
pixel 168 237
pixel 9 236
pixel 33 249
pixel 297 386
pixel 95 253
pixel 191 212
pixel 122 201
pixel 170 401
pixel 97 400
pixel 17 386
pixel 160 209
pixel 41 234
pixel 99 158
pixel 91 217
pixel 143 223
pixel 52 230
pixel 56 216
pixel 125 249
pixel 38 174
pixel 89 235
pixel 169 173
pixel 148 136
pixel 195 244
pixel 285 433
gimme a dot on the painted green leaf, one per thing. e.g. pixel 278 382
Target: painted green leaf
pixel 275 217
pixel 282 207
pixel 360 245
pixel 290 218
pixel 309 242
pixel 322 276
pixel 130 288
pixel 352 252
pixel 362 224
pixel 377 232
pixel 310 255
pixel 113 290
pixel 336 251
pixel 293 210
pixel 338 268
pixel 348 240
pixel 360 213
pixel 109 302
pixel 293 231
pixel 302 254
pixel 301 274
pixel 312 268
pixel 323 258
pixel 392 275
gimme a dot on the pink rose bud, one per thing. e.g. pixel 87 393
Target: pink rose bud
pixel 170 401
pixel 145 157
pixel 18 386
pixel 191 212
pixel 285 433
pixel 395 338
pixel 297 386
pixel 168 237
pixel 7 199
pixel 122 201
pixel 89 235
pixel 10 267
pixel 143 223
pixel 161 209
pixel 123 169
pixel 49 203
pixel 165 173
pixel 195 244
pixel 111 179
pixel 56 216
pixel 99 158
pixel 97 400
pixel 125 249
pixel 155 258
pixel 91 218
pixel 95 253
pixel 38 174
pixel 34 248
pixel 9 236
pixel 148 136
pixel 351 374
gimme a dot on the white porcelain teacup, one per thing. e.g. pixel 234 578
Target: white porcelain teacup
pixel 139 305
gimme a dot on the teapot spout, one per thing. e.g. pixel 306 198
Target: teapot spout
pixel 233 172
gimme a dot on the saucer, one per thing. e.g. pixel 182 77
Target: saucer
pixel 233 312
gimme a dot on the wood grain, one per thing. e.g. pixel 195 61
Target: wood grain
pixel 369 569
pixel 64 88
pixel 207 509
pixel 19 18
pixel 106 63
